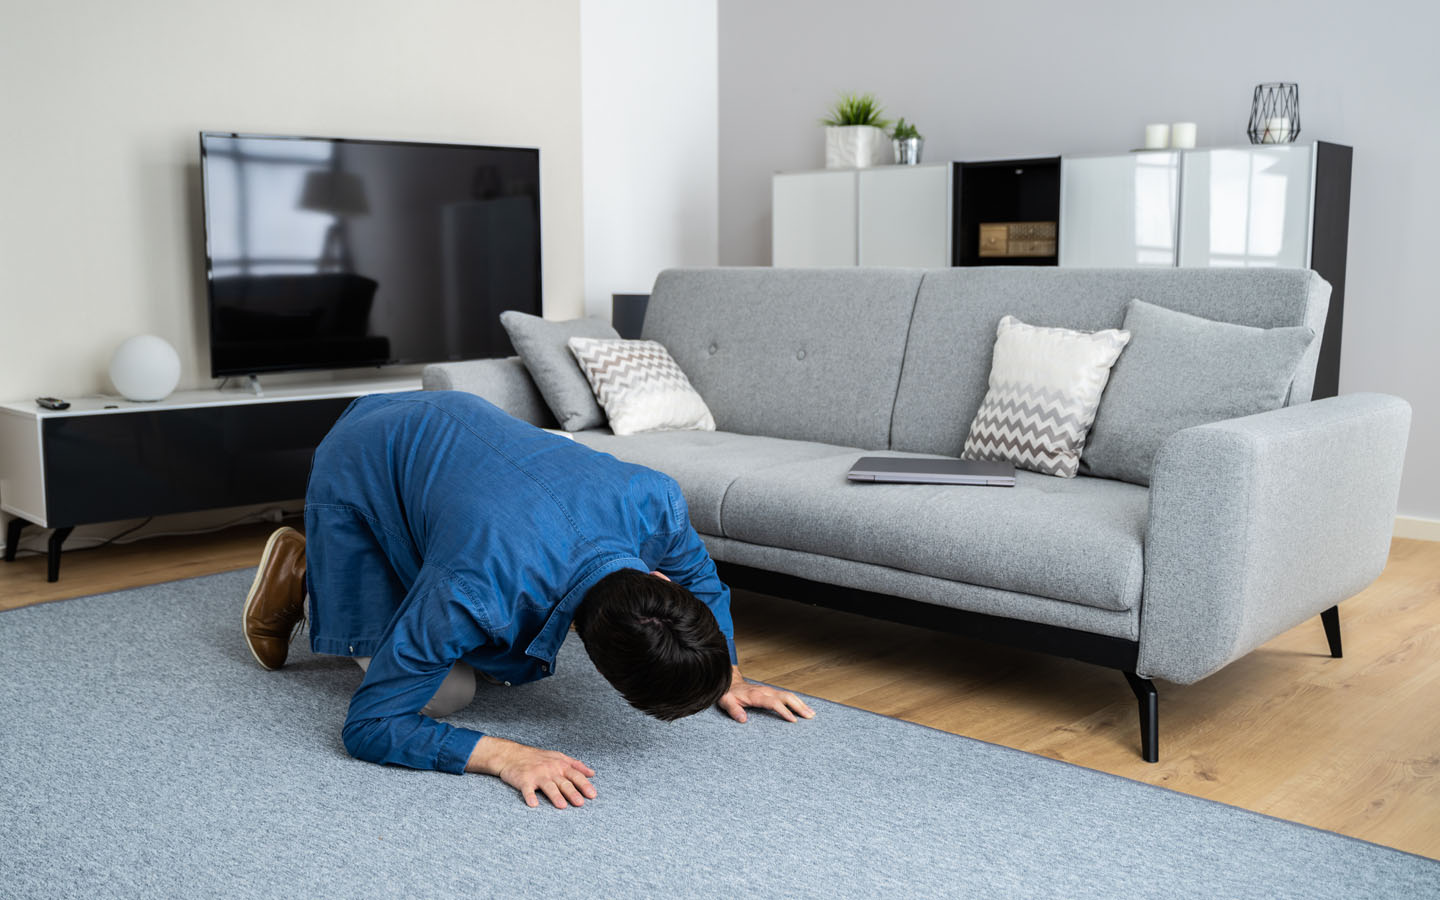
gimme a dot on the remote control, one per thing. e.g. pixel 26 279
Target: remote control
pixel 52 403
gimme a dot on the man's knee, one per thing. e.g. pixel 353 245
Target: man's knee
pixel 453 695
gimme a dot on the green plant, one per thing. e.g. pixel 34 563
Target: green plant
pixel 853 109
pixel 905 130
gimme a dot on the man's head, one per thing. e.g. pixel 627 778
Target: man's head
pixel 657 644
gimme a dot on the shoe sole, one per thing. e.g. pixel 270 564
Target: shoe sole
pixel 255 590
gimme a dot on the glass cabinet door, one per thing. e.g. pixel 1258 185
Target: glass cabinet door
pixel 1119 211
pixel 1248 206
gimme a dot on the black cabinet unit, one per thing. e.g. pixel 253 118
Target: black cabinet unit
pixel 106 459
pixel 1001 192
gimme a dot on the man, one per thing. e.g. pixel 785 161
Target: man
pixel 448 539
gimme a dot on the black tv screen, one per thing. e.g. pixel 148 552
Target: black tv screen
pixel 327 253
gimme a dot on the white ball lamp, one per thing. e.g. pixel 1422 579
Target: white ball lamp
pixel 145 367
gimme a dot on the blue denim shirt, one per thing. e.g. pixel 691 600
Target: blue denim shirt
pixel 439 528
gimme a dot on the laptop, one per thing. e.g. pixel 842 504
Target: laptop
pixel 940 470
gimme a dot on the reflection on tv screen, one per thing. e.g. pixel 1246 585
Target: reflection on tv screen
pixel 332 253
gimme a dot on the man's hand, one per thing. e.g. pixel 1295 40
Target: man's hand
pixel 563 779
pixel 758 696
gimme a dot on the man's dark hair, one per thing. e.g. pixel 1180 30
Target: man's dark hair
pixel 655 642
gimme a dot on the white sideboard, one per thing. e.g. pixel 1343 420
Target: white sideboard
pixel 106 458
pixel 880 216
pixel 1224 206
pixel 1119 211
pixel 1252 205
pixel 814 219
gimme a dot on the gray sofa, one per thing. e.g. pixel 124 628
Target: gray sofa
pixel 1248 527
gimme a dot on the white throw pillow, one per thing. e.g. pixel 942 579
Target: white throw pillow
pixel 1045 385
pixel 640 386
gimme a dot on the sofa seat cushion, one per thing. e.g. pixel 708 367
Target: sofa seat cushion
pixel 1079 540
pixel 706 463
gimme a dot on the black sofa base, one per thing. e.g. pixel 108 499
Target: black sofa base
pixel 1097 649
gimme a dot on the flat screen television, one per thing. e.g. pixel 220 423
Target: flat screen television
pixel 329 253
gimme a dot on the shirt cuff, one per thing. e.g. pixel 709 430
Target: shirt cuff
pixel 730 644
pixel 455 750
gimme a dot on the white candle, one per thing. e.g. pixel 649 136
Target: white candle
pixel 1157 137
pixel 1182 135
pixel 1277 130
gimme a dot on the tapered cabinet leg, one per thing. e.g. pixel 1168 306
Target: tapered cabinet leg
pixel 1149 699
pixel 57 539
pixel 1331 620
pixel 12 537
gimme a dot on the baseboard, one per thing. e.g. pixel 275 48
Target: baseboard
pixel 1417 528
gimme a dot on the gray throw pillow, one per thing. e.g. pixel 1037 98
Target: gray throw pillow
pixel 1180 371
pixel 543 349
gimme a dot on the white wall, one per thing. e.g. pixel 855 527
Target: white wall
pixel 1055 76
pixel 650 133
pixel 99 201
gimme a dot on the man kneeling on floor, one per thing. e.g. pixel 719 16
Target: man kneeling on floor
pixel 449 540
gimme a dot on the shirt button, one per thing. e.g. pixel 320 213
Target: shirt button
pixel 544 667
pixel 800 355
pixel 713 348
pixel 507 684
pixel 352 648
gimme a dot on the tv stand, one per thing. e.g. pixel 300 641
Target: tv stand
pixel 106 458
pixel 254 382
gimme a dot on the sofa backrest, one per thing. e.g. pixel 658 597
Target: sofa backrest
pixel 947 358
pixel 809 354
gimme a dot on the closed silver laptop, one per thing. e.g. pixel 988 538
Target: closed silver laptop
pixel 939 470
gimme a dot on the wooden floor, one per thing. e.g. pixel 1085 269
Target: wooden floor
pixel 1349 745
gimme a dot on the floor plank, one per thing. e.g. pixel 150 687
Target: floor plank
pixel 120 566
pixel 1350 745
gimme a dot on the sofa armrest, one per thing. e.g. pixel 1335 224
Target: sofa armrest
pixel 1261 522
pixel 504 382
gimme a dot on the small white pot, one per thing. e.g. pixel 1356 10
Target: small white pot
pixel 856 146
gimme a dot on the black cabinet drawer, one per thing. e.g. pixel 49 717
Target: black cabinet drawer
pixel 125 465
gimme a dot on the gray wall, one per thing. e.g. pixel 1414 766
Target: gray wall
pixel 1056 76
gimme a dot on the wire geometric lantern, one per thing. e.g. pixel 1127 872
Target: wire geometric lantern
pixel 1275 113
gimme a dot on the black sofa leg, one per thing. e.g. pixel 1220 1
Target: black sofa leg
pixel 1149 699
pixel 57 538
pixel 1330 618
pixel 12 537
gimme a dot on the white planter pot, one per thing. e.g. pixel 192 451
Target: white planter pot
pixel 855 146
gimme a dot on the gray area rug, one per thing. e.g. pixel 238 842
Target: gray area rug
pixel 145 754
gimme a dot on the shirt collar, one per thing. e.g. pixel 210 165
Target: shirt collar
pixel 547 643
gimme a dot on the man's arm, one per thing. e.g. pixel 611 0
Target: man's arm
pixel 437 624
pixel 743 694
pixel 432 629
pixel 563 779
pixel 688 563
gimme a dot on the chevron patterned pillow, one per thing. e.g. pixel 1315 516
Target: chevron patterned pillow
pixel 1045 386
pixel 640 386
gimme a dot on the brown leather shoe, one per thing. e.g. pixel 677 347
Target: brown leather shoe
pixel 275 605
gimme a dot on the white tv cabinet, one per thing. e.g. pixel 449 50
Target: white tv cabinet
pixel 106 458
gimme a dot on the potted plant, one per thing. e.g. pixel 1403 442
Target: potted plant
pixel 854 132
pixel 908 143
